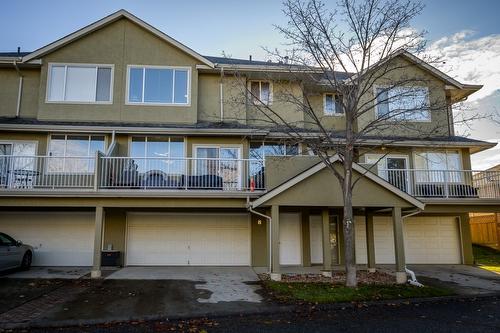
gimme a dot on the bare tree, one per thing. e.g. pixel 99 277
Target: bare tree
pixel 351 50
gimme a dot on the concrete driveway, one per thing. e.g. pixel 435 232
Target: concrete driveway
pixel 224 284
pixel 463 279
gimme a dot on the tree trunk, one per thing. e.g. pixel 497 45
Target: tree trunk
pixel 348 228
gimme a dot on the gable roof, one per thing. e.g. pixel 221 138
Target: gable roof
pixel 424 65
pixel 320 166
pixel 105 21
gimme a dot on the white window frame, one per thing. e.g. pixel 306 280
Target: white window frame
pixel 335 113
pixel 404 120
pixel 96 66
pixel 271 93
pixel 262 143
pixel 441 151
pixel 144 67
pixel 48 172
pixel 184 140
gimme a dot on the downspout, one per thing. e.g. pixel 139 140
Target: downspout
pixel 221 94
pixel 413 278
pixel 20 89
pixel 269 219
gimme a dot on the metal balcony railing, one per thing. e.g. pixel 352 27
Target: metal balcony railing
pixel 444 183
pixel 102 172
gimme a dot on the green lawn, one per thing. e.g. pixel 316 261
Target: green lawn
pixel 487 258
pixel 329 293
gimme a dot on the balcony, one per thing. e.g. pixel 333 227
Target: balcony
pixel 102 173
pixel 444 183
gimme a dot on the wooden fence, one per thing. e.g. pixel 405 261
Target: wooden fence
pixel 485 229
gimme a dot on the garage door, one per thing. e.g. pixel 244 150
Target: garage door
pixel 59 239
pixel 188 239
pixel 428 240
pixel 432 240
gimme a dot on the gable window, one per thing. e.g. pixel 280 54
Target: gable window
pixel 403 103
pixel 158 85
pixel 261 92
pixel 73 153
pixel 80 83
pixel 332 105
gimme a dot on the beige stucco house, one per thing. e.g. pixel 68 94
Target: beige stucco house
pixel 118 137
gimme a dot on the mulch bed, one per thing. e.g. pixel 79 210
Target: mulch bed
pixel 364 277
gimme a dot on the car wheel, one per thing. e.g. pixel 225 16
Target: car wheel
pixel 26 263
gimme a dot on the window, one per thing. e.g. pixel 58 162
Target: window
pixel 73 153
pixel 259 150
pixel 439 165
pixel 158 85
pixel 403 103
pixel 332 105
pixel 80 83
pixel 158 153
pixel 261 92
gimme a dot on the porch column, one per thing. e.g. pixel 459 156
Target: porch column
pixel 275 243
pixel 370 241
pixel 466 239
pixel 96 267
pixel 327 253
pixel 306 238
pixel 399 248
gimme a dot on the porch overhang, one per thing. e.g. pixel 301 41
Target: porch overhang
pixel 318 186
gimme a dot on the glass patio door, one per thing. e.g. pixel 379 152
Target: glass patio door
pixel 5 152
pixel 222 162
pixel 397 174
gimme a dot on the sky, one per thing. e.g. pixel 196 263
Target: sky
pixel 466 33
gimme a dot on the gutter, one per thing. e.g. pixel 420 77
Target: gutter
pixel 221 85
pixel 413 278
pixel 20 89
pixel 269 219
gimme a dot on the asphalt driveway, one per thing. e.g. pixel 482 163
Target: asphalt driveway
pixel 463 279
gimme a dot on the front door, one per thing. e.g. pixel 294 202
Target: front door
pixel 397 174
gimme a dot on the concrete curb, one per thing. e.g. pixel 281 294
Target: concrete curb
pixel 268 310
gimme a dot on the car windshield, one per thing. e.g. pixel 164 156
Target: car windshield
pixel 6 240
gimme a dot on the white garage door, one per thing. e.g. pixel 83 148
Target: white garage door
pixel 59 239
pixel 432 240
pixel 188 239
pixel 428 240
pixel 290 239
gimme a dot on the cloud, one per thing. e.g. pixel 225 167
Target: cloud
pixel 470 60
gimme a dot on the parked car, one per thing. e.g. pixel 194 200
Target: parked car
pixel 14 254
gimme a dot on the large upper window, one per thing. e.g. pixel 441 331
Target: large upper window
pixel 158 153
pixel 261 92
pixel 332 105
pixel 73 153
pixel 158 85
pixel 403 103
pixel 80 83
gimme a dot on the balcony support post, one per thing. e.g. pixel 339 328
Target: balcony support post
pixel 99 223
pixel 399 247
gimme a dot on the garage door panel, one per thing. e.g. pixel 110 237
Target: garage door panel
pixel 290 239
pixel 59 239
pixel 188 239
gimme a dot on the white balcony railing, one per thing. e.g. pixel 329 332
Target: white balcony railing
pixel 444 183
pixel 181 173
pixel 19 173
pixel 46 172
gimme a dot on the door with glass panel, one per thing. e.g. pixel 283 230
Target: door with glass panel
pixel 5 153
pixel 397 173
pixel 218 167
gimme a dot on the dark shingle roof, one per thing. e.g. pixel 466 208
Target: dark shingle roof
pixel 13 54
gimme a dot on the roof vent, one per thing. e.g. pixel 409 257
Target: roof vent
pixel 250 57
pixel 18 51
